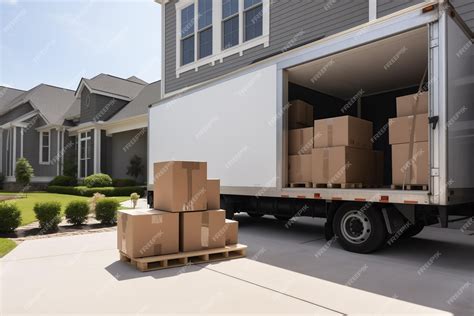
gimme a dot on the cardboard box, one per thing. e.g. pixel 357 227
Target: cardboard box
pixel 201 230
pixel 213 194
pixel 145 233
pixel 300 114
pixel 342 131
pixel 404 163
pixel 180 186
pixel 231 232
pixel 300 141
pixel 299 168
pixel 400 129
pixel 342 164
pixel 406 103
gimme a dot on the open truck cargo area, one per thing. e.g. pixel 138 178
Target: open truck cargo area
pixel 241 125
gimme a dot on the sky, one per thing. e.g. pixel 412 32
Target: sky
pixel 58 42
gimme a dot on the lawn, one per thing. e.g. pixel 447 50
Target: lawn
pixel 26 204
pixel 6 245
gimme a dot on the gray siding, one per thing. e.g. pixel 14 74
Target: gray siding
pixel 16 113
pixel 287 19
pixel 465 9
pixel 96 107
pixel 122 147
pixel 386 7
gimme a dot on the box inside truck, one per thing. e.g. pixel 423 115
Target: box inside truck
pixel 363 82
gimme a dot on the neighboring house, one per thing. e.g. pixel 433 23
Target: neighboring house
pixel 233 34
pixel 99 127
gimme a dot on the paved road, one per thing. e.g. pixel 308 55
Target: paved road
pixel 288 270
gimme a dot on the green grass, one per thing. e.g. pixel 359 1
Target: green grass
pixel 6 245
pixel 26 204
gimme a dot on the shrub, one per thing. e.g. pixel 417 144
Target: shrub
pixel 76 212
pixel 23 172
pixel 10 217
pixel 67 181
pixel 48 215
pixel 93 201
pixel 106 211
pixel 98 180
pixel 2 180
pixel 123 183
pixel 134 197
pixel 89 192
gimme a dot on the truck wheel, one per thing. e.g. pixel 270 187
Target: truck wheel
pixel 254 215
pixel 361 231
pixel 413 230
pixel 283 218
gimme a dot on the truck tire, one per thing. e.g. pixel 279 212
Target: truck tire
pixel 413 230
pixel 360 231
pixel 254 215
pixel 283 218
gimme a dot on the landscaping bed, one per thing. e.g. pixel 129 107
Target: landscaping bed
pixel 89 192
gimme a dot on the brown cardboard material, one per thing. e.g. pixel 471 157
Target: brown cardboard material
pixel 231 232
pixel 201 230
pixel 406 104
pixel 342 131
pixel 299 168
pixel 144 233
pixel 180 186
pixel 342 164
pixel 213 194
pixel 418 162
pixel 300 141
pixel 300 114
pixel 400 129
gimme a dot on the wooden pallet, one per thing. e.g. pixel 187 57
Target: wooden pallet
pixel 339 185
pixel 418 187
pixel 185 258
pixel 301 185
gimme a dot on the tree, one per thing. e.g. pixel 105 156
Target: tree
pixel 135 168
pixel 23 173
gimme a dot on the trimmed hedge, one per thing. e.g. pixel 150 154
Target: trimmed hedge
pixel 76 212
pixel 124 183
pixel 64 181
pixel 106 211
pixel 48 215
pixel 10 217
pixel 89 192
pixel 98 180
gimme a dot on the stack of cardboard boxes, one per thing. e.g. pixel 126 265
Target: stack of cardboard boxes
pixel 186 216
pixel 343 153
pixel 408 135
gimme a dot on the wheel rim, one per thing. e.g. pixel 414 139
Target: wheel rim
pixel 356 227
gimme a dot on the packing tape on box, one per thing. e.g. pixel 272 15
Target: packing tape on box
pixel 189 166
pixel 326 164
pixel 205 230
pixel 330 133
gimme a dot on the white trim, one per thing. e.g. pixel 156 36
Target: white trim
pixel 58 140
pixel 87 139
pixel 1 150
pixel 41 161
pixel 97 153
pixel 218 54
pixel 372 10
pixel 163 50
pixel 83 84
pixel 21 141
pixel 18 121
pixel 128 124
pixel 14 151
pixel 34 179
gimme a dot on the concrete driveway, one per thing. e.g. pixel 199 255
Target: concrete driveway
pixel 289 269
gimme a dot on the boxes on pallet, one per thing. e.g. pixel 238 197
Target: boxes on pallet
pixel 180 186
pixel 300 114
pixel 342 164
pixel 145 233
pixel 213 190
pixel 231 232
pixel 406 104
pixel 400 129
pixel 342 131
pixel 300 141
pixel 410 169
pixel 201 230
pixel 299 168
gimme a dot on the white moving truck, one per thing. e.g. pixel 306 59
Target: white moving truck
pixel 238 124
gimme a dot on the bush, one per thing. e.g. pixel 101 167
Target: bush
pixel 23 172
pixel 10 217
pixel 48 215
pixel 67 181
pixel 98 180
pixel 134 198
pixel 106 211
pixel 89 192
pixel 76 212
pixel 124 183
pixel 94 199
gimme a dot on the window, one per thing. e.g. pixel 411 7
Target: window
pixel 205 28
pixel 45 138
pixel 187 34
pixel 85 156
pixel 230 23
pixel 253 19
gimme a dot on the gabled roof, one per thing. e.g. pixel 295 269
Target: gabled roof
pixel 74 110
pixel 7 95
pixel 52 102
pixel 112 86
pixel 137 80
pixel 139 106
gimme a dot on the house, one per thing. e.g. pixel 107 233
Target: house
pixel 99 127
